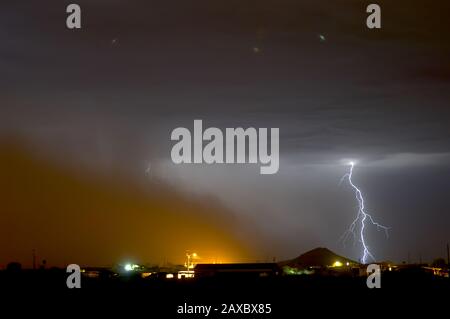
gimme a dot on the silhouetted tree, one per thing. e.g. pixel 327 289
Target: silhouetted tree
pixel 14 267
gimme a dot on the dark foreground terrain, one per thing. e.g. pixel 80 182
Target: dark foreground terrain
pixel 227 297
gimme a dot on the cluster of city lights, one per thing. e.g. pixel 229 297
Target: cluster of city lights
pixel 188 273
pixel 338 263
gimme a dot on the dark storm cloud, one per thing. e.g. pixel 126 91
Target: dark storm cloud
pixel 110 94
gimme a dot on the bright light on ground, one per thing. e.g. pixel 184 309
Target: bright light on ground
pixel 130 267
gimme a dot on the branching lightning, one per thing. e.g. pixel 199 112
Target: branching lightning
pixel 362 217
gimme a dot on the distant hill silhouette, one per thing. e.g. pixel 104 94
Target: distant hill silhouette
pixel 320 257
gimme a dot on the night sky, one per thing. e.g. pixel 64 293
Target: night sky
pixel 85 113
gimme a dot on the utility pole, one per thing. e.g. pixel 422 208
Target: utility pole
pixel 34 259
pixel 448 257
pixel 188 263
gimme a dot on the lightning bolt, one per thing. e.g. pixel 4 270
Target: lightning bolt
pixel 362 217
